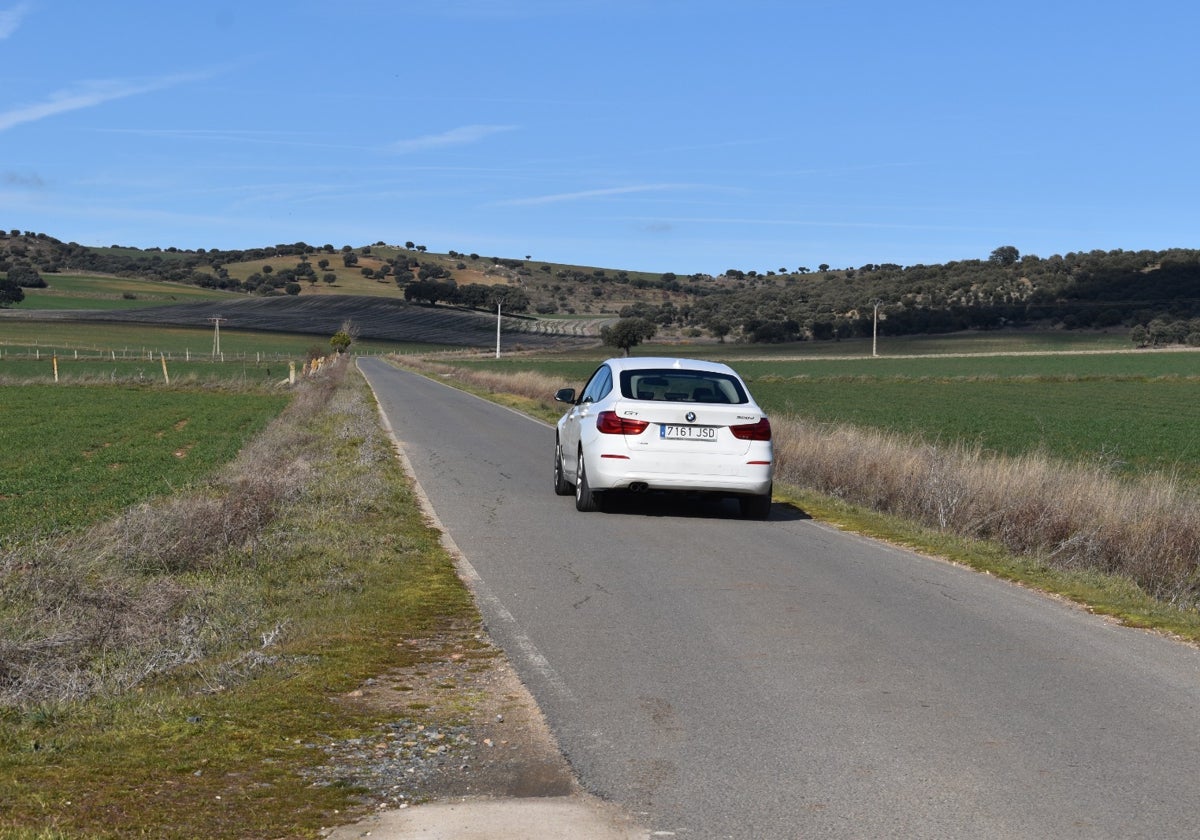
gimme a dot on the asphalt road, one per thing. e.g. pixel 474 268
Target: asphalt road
pixel 782 679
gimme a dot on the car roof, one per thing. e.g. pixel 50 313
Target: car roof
pixel 625 363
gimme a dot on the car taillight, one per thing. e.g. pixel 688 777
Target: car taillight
pixel 753 431
pixel 609 423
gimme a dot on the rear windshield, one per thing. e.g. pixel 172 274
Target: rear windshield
pixel 671 385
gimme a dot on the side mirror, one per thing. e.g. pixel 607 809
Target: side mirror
pixel 565 395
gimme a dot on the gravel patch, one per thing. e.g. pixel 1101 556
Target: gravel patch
pixel 464 725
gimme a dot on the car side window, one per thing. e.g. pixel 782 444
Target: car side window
pixel 598 386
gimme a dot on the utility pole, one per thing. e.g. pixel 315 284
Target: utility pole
pixel 497 328
pixel 875 329
pixel 216 321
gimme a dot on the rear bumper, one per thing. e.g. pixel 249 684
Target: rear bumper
pixel 619 473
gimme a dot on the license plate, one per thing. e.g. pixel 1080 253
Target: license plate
pixel 687 432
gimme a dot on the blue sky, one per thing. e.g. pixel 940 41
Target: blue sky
pixel 657 135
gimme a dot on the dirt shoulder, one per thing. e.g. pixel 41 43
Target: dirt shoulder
pixel 495 772
pixel 462 724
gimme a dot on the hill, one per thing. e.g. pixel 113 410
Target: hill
pixel 1154 292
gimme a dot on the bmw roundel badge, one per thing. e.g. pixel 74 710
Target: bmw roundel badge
pixel 690 417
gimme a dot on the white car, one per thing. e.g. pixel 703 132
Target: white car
pixel 650 424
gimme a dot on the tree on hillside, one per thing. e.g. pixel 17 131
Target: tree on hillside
pixel 429 291
pixel 720 328
pixel 1005 255
pixel 26 276
pixel 627 333
pixel 512 300
pixel 10 293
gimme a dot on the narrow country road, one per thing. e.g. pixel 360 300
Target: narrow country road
pixel 722 678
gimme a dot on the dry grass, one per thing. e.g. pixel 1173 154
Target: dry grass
pixel 527 384
pixel 134 597
pixel 1070 517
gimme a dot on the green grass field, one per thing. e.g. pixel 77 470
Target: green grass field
pixel 64 291
pixel 68 340
pixel 1125 425
pixel 974 343
pixel 72 455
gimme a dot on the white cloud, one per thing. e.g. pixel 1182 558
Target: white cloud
pixel 86 95
pixel 584 194
pixel 461 136
pixel 10 19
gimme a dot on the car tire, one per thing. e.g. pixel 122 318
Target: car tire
pixel 585 499
pixel 755 507
pixel 562 487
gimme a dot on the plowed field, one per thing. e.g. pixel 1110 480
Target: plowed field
pixel 373 317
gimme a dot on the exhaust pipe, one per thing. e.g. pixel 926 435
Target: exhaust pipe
pixel 639 487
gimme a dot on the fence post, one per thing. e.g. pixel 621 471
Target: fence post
pixel 166 376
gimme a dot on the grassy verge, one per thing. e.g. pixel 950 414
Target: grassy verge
pixel 185 670
pixel 1126 550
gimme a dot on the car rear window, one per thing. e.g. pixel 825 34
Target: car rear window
pixel 672 385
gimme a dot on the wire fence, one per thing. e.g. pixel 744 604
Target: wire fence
pixel 38 352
